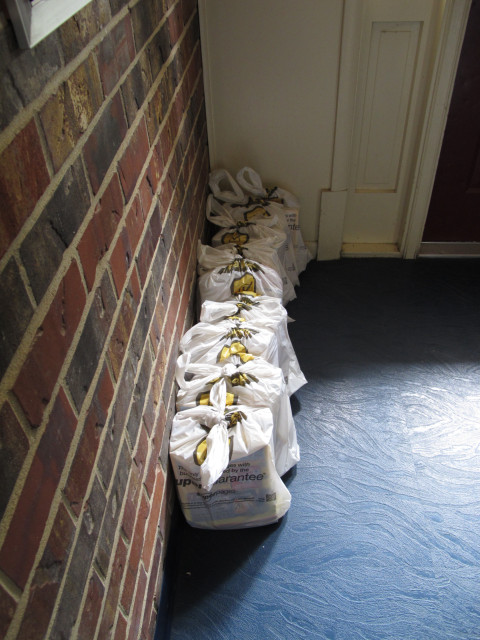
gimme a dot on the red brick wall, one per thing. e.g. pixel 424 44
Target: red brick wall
pixel 103 176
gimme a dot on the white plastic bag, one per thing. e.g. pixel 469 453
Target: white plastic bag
pixel 239 276
pixel 224 187
pixel 223 463
pixel 209 258
pixel 243 223
pixel 215 343
pixel 265 312
pixel 251 183
pixel 255 383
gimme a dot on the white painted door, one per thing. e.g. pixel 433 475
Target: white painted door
pixel 396 52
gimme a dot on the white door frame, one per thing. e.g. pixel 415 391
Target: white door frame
pixel 333 201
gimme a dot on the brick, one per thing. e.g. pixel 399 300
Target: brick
pixel 120 337
pixel 104 141
pixel 78 30
pixel 136 87
pixel 166 141
pixel 116 425
pixel 38 376
pixel 154 115
pixel 23 179
pixel 120 261
pixel 115 53
pixel 90 345
pixel 85 455
pixel 133 159
pixel 132 498
pixel 26 527
pixel 13 449
pixel 15 313
pixel 159 50
pixel 48 576
pixel 136 615
pixel 7 611
pixel 31 69
pixel 98 235
pixel 121 628
pixel 135 555
pixel 112 512
pixel 149 414
pixel 117 5
pixel 152 597
pixel 91 609
pixel 80 565
pixel 145 17
pixel 153 520
pixel 175 24
pixel 43 248
pixel 134 224
pixel 135 417
pixel 10 100
pixel 67 114
pixel 145 255
pixel 113 593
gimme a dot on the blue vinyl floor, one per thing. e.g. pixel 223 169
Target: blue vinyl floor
pixel 382 540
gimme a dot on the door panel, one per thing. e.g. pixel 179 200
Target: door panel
pixel 397 45
pixel 454 212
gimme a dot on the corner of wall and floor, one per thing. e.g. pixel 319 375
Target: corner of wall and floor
pixel 103 178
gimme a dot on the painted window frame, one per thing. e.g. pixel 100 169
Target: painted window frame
pixel 33 20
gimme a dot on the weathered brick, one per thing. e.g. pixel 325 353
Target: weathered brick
pixel 133 159
pixel 136 615
pixel 117 5
pixel 13 449
pixel 145 255
pixel 135 418
pixel 115 426
pixel 38 376
pixel 113 593
pixel 91 609
pixel 23 179
pixel 136 87
pixel 15 313
pixel 48 576
pixel 7 611
pixel 120 337
pixel 149 414
pixel 104 141
pixel 43 248
pixel 120 260
pixel 152 597
pixel 135 555
pixel 112 512
pixel 26 527
pixel 115 53
pixel 131 501
pixel 90 345
pixel 84 460
pixel 98 235
pixel 175 24
pixel 80 564
pixel 10 100
pixel 68 112
pixel 121 628
pixel 145 17
pixel 153 115
pixel 134 224
pixel 31 69
pixel 78 30
pixel 153 519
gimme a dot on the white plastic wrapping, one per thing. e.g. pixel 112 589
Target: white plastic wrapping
pixel 239 276
pixel 209 258
pixel 242 223
pixel 215 343
pixel 265 312
pixel 250 182
pixel 255 383
pixel 223 462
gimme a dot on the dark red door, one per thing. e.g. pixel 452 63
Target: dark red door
pixel 454 212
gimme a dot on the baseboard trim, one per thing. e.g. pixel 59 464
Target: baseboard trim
pixel 449 250
pixel 370 250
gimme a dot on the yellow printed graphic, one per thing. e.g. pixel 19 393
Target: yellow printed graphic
pixel 235 349
pixel 235 238
pixel 204 399
pixel 256 212
pixel 246 283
